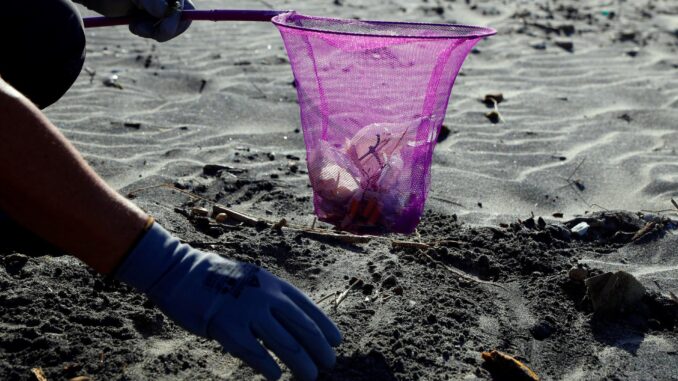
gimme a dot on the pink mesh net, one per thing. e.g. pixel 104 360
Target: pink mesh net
pixel 373 96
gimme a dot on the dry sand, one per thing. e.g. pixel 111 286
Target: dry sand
pixel 222 94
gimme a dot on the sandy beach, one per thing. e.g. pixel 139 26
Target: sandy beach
pixel 589 133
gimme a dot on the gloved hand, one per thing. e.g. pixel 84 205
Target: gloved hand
pixel 233 303
pixel 156 19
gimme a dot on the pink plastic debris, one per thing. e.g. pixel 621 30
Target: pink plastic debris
pixel 372 96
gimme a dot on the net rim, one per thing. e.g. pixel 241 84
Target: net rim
pixel 480 31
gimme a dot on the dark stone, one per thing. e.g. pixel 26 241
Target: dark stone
pixel 542 330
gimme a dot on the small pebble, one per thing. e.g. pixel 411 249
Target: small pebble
pixel 112 81
pixel 565 45
pixel 221 218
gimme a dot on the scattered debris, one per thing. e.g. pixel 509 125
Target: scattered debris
pixel 627 35
pixel 447 200
pixel 135 125
pixel 576 185
pixel 221 218
pixel 624 227
pixel 340 237
pixel 613 293
pixel 39 374
pixel 356 282
pixel 217 169
pixel 557 215
pixel 80 378
pixel 626 117
pixel 444 133
pixel 237 216
pixel 493 116
pixel 649 228
pixel 565 45
pixel 112 81
pixel 507 367
pixel 580 229
pixel 91 72
pixel 539 45
pixel 72 367
pixel 410 244
pixel 567 29
pixel 199 212
pixel 633 52
pixel 279 225
pixel 491 99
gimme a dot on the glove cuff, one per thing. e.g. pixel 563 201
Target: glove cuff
pixel 153 256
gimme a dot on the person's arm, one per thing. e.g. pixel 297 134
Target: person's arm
pixel 46 186
pixel 156 19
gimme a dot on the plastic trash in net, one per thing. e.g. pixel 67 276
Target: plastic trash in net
pixel 372 97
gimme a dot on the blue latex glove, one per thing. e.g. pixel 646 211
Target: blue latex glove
pixel 156 19
pixel 233 303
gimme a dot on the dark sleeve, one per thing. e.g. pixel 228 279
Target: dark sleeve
pixel 43 48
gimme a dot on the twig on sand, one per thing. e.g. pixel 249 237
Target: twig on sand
pixel 673 297
pixel 342 237
pixel 675 204
pixel 462 274
pixel 410 244
pixel 255 221
pixel 577 185
pixel 547 28
pixel 399 244
pixel 237 216
pixel 324 298
pixel 443 199
pixel 495 115
pixel 344 294
pixel 576 182
pixel 325 233
pixel 644 231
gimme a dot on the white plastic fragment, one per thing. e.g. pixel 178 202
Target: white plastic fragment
pixel 580 229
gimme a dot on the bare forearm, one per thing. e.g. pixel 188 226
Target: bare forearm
pixel 47 187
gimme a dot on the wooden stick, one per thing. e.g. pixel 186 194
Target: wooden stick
pixel 344 294
pixel 462 274
pixel 240 217
pixel 410 244
pixel 347 238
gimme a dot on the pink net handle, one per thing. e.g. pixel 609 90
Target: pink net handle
pixel 193 15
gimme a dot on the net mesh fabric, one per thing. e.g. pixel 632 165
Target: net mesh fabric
pixel 372 97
